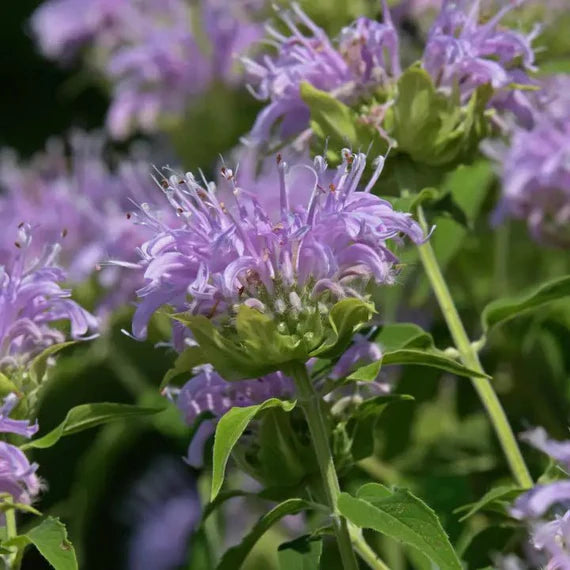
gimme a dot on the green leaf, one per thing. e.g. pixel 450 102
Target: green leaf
pixel 505 494
pixel 431 359
pixel 339 124
pixel 403 335
pixel 303 553
pixel 345 317
pixel 50 538
pixel 360 427
pixel 6 385
pixel 502 310
pixel 39 364
pixel 179 374
pixel 229 429
pixel 9 505
pixel 432 127
pixel 85 417
pixel 367 373
pixel 235 556
pixel 404 517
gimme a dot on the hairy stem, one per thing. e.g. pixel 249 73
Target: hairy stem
pixel 11 532
pixel 310 402
pixel 470 358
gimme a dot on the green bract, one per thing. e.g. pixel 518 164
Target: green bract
pixel 255 346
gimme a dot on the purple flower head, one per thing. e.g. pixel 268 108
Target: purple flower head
pixel 535 167
pixel 72 196
pixel 165 509
pixel 364 57
pixel 31 301
pixel 296 261
pixel 17 475
pixel 8 425
pixel 463 54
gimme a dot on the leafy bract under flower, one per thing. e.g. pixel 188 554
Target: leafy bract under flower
pixel 284 284
pixel 32 301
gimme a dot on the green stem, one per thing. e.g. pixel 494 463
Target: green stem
pixel 11 532
pixel 311 404
pixel 470 358
pixel 364 550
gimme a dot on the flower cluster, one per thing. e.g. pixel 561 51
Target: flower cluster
pixel 550 538
pixel 463 54
pixel 79 201
pixel 144 48
pixel 535 166
pixel 364 57
pixel 327 245
pixel 17 475
pixel 31 301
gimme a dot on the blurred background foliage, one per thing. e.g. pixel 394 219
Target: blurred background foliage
pixel 440 445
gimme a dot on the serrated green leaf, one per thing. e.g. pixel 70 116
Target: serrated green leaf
pixel 39 364
pixel 303 553
pixel 502 310
pixel 404 517
pixel 506 493
pixel 235 556
pixel 431 359
pixel 85 417
pixel 229 429
pixel 50 538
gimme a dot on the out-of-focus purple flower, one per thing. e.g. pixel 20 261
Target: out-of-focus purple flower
pixel 463 54
pixel 17 475
pixel 364 57
pixel 78 200
pixel 535 167
pixel 360 353
pixel 549 538
pixel 165 509
pixel 62 27
pixel 296 261
pixel 150 51
pixel 209 392
pixel 31 301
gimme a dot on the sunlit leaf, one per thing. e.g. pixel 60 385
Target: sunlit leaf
pixel 87 416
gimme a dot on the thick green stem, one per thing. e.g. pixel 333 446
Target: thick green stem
pixel 11 532
pixel 364 550
pixel 470 358
pixel 311 404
